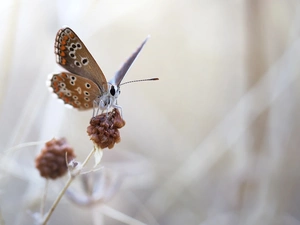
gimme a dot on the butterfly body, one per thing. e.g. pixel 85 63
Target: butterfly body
pixel 84 86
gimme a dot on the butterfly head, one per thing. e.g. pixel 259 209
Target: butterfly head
pixel 109 99
pixel 114 90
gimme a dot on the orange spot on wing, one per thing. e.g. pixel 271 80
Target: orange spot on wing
pixel 72 35
pixel 63 61
pixel 62 48
pixel 65 38
pixel 59 79
pixel 61 95
pixel 66 100
pixel 62 53
pixel 63 42
pixel 64 75
pixel 55 84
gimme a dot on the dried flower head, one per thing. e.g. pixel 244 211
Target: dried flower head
pixel 51 162
pixel 103 129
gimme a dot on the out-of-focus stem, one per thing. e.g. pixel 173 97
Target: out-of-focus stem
pixel 44 198
pixel 71 178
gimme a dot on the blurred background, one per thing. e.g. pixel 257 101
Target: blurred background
pixel 214 141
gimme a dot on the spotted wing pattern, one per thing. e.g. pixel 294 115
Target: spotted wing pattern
pixel 72 54
pixel 75 90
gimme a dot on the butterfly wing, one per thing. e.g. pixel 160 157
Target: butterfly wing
pixel 72 54
pixel 75 90
pixel 117 79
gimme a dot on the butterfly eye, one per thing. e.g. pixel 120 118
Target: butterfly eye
pixel 112 91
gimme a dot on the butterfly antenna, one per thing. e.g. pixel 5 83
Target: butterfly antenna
pixel 133 81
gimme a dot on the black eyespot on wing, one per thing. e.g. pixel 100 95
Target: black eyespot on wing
pixel 77 63
pixel 84 61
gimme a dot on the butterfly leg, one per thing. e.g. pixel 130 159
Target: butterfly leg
pixel 114 104
pixel 118 107
pixel 96 108
pixel 101 105
pixel 93 108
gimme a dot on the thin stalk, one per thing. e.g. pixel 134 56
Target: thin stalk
pixel 71 178
pixel 105 210
pixel 44 198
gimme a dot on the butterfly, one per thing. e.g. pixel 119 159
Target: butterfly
pixel 84 86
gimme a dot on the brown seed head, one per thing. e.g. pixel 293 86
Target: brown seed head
pixel 104 129
pixel 51 162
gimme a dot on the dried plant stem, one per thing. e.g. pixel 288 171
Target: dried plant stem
pixel 88 157
pixel 119 216
pixel 71 178
pixel 23 145
pixel 44 198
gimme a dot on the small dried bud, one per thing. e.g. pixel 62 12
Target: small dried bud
pixel 103 129
pixel 51 162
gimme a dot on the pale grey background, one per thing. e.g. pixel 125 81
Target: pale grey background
pixel 215 141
